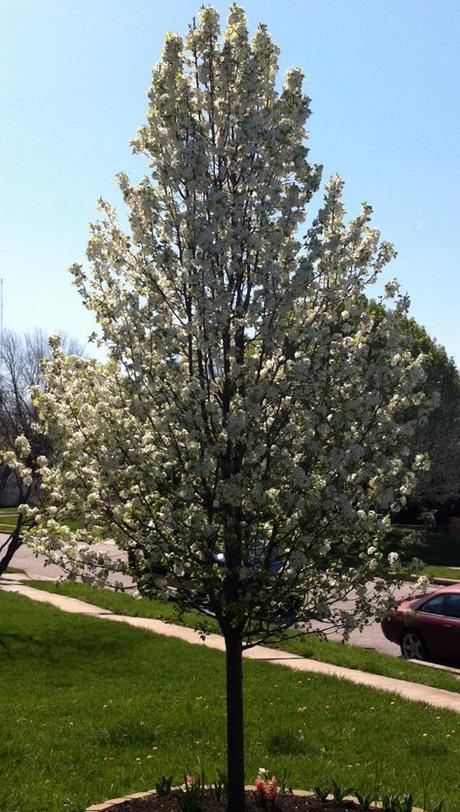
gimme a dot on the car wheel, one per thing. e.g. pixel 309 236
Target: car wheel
pixel 413 647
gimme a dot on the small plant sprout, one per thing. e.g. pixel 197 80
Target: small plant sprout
pixel 365 800
pixel 397 803
pixel 321 793
pixel 339 793
pixel 284 782
pixel 190 796
pixel 163 786
pixel 219 786
pixel 406 803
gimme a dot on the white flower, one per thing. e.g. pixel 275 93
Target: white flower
pixel 422 583
pixel 8 457
pixel 22 446
pixel 392 288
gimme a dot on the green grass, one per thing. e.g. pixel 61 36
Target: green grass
pixel 355 657
pixel 442 572
pixel 82 699
pixel 433 548
pixel 346 655
pixel 13 570
pixel 124 604
pixel 432 571
pixel 440 551
pixel 8 517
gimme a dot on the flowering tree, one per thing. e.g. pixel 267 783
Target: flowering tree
pixel 243 443
pixel 22 446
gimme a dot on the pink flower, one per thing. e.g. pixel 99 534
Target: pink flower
pixel 267 788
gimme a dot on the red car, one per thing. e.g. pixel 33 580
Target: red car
pixel 428 626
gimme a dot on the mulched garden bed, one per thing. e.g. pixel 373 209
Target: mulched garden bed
pixel 288 803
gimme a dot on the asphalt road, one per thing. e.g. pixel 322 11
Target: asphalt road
pixel 371 637
pixel 36 567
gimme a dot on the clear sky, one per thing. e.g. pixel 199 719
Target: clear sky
pixel 384 79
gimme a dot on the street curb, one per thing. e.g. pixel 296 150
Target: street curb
pixel 444 581
pixel 437 581
pixel 437 666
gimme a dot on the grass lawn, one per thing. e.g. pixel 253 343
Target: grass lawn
pixel 347 655
pixel 442 572
pixel 432 571
pixel 433 548
pixel 91 710
pixel 8 517
pixel 440 552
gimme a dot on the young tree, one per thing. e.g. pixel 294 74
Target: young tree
pixel 243 441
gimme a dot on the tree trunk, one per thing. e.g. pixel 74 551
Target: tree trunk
pixel 12 543
pixel 9 547
pixel 235 733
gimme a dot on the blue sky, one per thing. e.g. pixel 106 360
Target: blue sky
pixel 383 76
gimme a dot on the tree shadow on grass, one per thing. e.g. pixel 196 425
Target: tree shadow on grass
pixel 61 649
pixel 15 643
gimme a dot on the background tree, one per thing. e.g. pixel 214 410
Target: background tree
pixel 439 434
pixel 243 441
pixel 438 431
pixel 21 445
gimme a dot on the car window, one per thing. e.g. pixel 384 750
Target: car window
pixel 434 605
pixel 452 607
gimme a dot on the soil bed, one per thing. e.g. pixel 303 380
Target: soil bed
pixel 288 803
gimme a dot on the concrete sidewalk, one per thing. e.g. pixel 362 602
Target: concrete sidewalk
pixel 415 692
pixel 371 637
